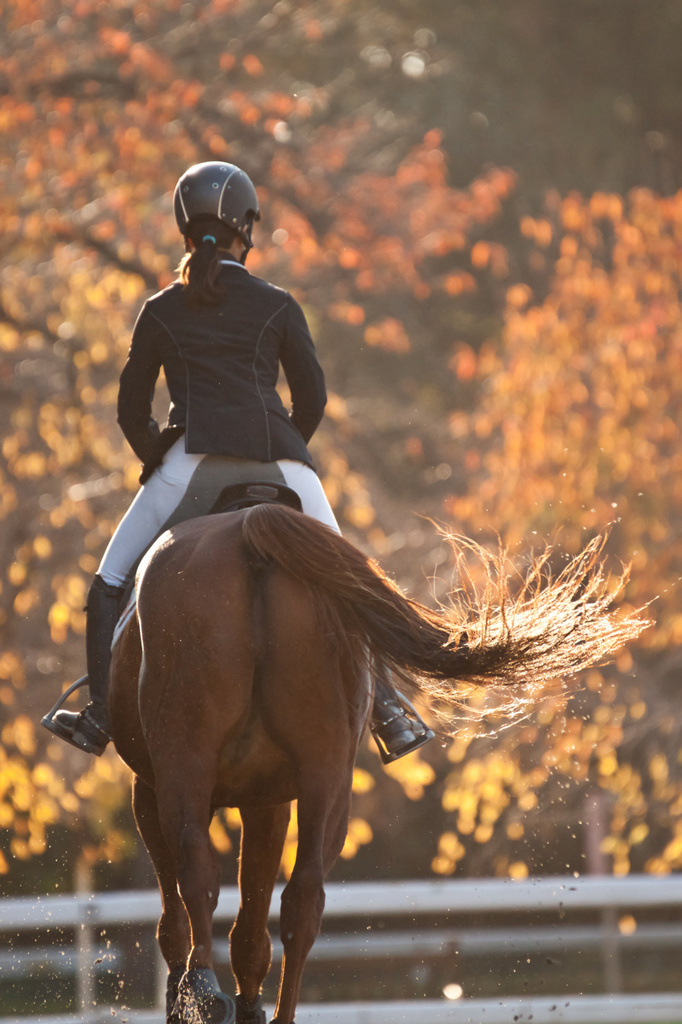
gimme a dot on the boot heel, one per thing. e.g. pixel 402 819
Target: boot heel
pixel 89 735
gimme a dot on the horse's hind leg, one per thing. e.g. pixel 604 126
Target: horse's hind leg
pixel 185 814
pixel 173 930
pixel 263 834
pixel 323 808
pixel 185 825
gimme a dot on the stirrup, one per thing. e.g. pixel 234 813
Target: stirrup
pixel 390 748
pixel 397 732
pixel 92 740
pixel 48 720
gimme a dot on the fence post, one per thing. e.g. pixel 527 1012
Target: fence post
pixel 161 978
pixel 594 811
pixel 85 947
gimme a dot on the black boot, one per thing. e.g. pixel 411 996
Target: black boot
pixel 395 725
pixel 89 729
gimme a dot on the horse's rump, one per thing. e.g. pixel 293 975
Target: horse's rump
pixel 239 657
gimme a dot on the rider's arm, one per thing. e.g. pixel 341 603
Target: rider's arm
pixel 303 373
pixel 136 388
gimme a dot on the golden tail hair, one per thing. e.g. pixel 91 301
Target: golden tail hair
pixel 554 627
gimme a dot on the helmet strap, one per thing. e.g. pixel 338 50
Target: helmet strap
pixel 245 236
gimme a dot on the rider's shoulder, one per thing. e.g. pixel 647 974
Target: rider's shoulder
pixel 169 293
pixel 261 284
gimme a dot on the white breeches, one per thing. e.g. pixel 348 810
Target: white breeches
pixel 186 486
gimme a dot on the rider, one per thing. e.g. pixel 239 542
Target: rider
pixel 220 334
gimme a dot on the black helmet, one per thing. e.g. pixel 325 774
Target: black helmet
pixel 217 189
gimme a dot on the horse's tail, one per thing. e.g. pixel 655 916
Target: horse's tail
pixel 552 628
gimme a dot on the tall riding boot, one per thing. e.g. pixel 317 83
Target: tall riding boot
pixel 89 730
pixel 395 725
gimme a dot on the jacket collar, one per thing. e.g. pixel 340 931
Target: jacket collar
pixel 228 262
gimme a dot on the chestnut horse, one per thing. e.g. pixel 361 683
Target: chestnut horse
pixel 244 681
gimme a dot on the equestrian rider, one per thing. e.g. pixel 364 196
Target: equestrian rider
pixel 220 334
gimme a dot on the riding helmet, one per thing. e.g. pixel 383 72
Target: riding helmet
pixel 217 189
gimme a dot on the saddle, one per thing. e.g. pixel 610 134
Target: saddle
pixel 239 496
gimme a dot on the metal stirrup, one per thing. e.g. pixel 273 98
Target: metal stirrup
pixel 83 681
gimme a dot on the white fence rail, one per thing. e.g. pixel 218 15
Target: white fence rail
pixel 84 913
pixel 648 1009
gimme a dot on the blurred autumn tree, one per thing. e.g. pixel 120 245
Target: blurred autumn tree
pixel 580 424
pixel 501 364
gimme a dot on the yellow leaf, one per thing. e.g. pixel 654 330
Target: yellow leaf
pixel 42 547
pixel 16 574
pixel 363 782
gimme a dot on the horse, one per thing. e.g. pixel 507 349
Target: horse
pixel 245 680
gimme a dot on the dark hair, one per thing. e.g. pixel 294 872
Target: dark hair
pixel 199 268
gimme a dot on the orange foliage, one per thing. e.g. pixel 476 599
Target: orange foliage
pixel 388 334
pixel 583 405
pixel 578 415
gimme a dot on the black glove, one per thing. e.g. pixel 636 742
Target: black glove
pixel 162 444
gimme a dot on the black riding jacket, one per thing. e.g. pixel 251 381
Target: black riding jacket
pixel 221 365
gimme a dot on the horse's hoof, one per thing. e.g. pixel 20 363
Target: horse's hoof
pixel 200 1000
pixel 172 985
pixel 246 1014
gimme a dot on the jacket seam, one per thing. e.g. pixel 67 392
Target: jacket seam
pixel 184 363
pixel 255 376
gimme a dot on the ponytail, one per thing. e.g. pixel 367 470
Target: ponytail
pixel 200 267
